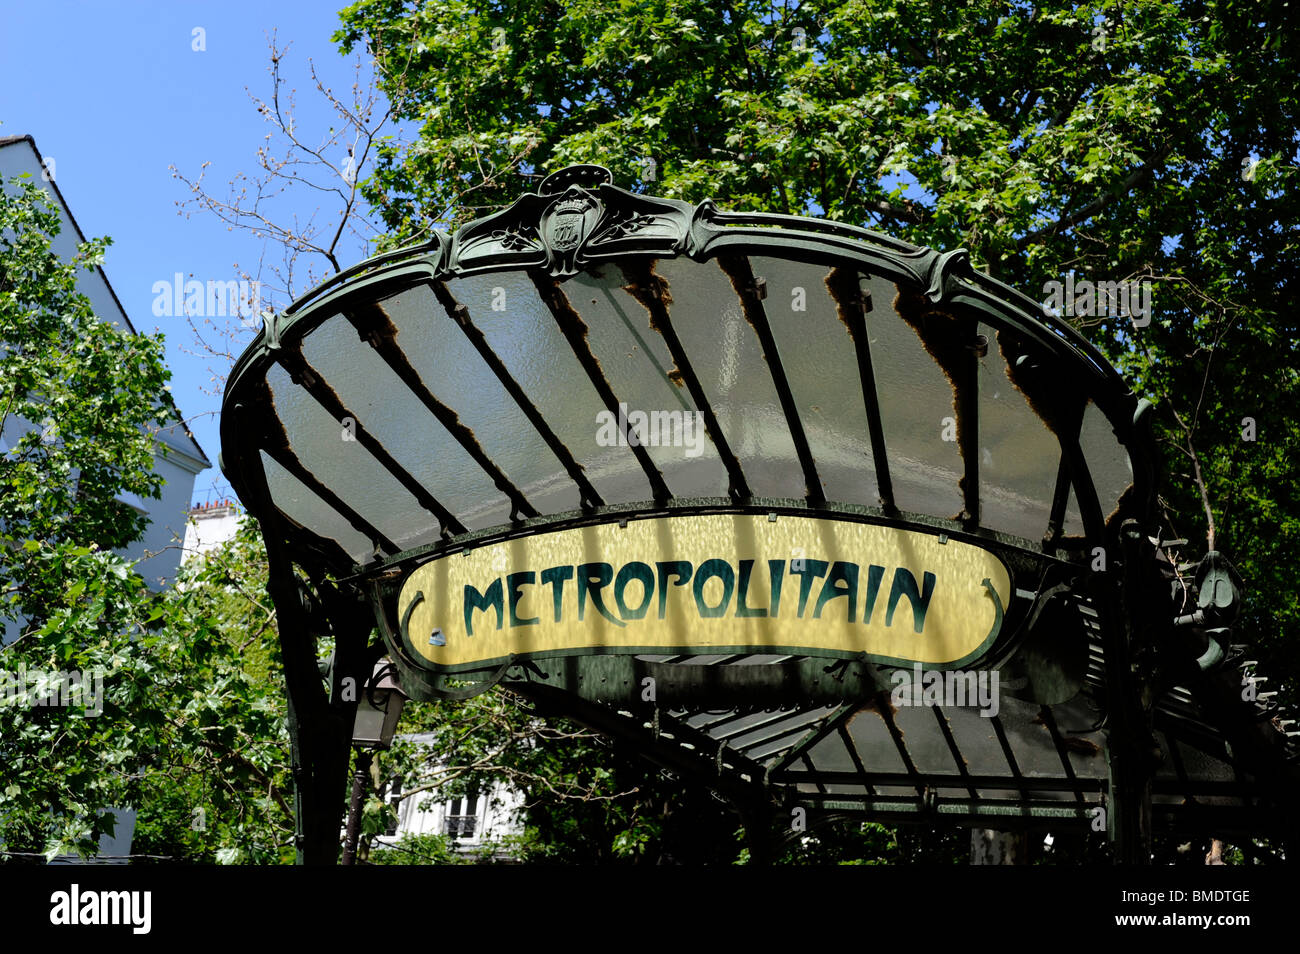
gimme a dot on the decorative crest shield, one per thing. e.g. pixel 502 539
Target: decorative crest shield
pixel 566 224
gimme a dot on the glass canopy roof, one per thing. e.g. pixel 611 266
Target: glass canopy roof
pixel 434 430
pixel 590 355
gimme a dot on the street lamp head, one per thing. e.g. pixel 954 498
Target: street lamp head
pixel 379 708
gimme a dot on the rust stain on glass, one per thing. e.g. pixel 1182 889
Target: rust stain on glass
pixel 375 327
pixel 575 331
pixel 651 291
pixel 953 344
pixel 458 312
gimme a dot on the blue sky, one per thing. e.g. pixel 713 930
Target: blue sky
pixel 114 93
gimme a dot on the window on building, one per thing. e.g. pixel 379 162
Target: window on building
pixel 462 817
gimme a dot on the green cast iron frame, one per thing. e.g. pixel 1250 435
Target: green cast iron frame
pixel 321 592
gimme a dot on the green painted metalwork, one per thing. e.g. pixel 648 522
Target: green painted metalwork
pixel 1109 702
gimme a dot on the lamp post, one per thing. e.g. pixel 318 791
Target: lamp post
pixel 378 710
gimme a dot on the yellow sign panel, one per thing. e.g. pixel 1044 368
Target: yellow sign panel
pixel 708 583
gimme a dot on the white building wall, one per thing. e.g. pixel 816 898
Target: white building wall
pixel 159 550
pixel 495 815
pixel 209 526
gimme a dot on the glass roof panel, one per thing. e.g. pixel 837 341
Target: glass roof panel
pixel 521 330
pixel 924 739
pixel 1108 462
pixel 347 468
pixel 1030 738
pixel 1086 749
pixel 916 408
pixel 873 742
pixel 456 374
pixel 758 742
pixel 390 411
pixel 643 374
pixel 304 508
pixel 1199 765
pixel 818 354
pixel 978 741
pixel 830 754
pixel 726 355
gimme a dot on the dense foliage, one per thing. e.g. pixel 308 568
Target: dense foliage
pixel 114 695
pixel 79 396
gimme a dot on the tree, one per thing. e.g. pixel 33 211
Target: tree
pixel 83 396
pixel 218 787
pixel 112 694
pixel 304 246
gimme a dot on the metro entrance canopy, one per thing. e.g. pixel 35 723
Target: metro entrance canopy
pixel 724 486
